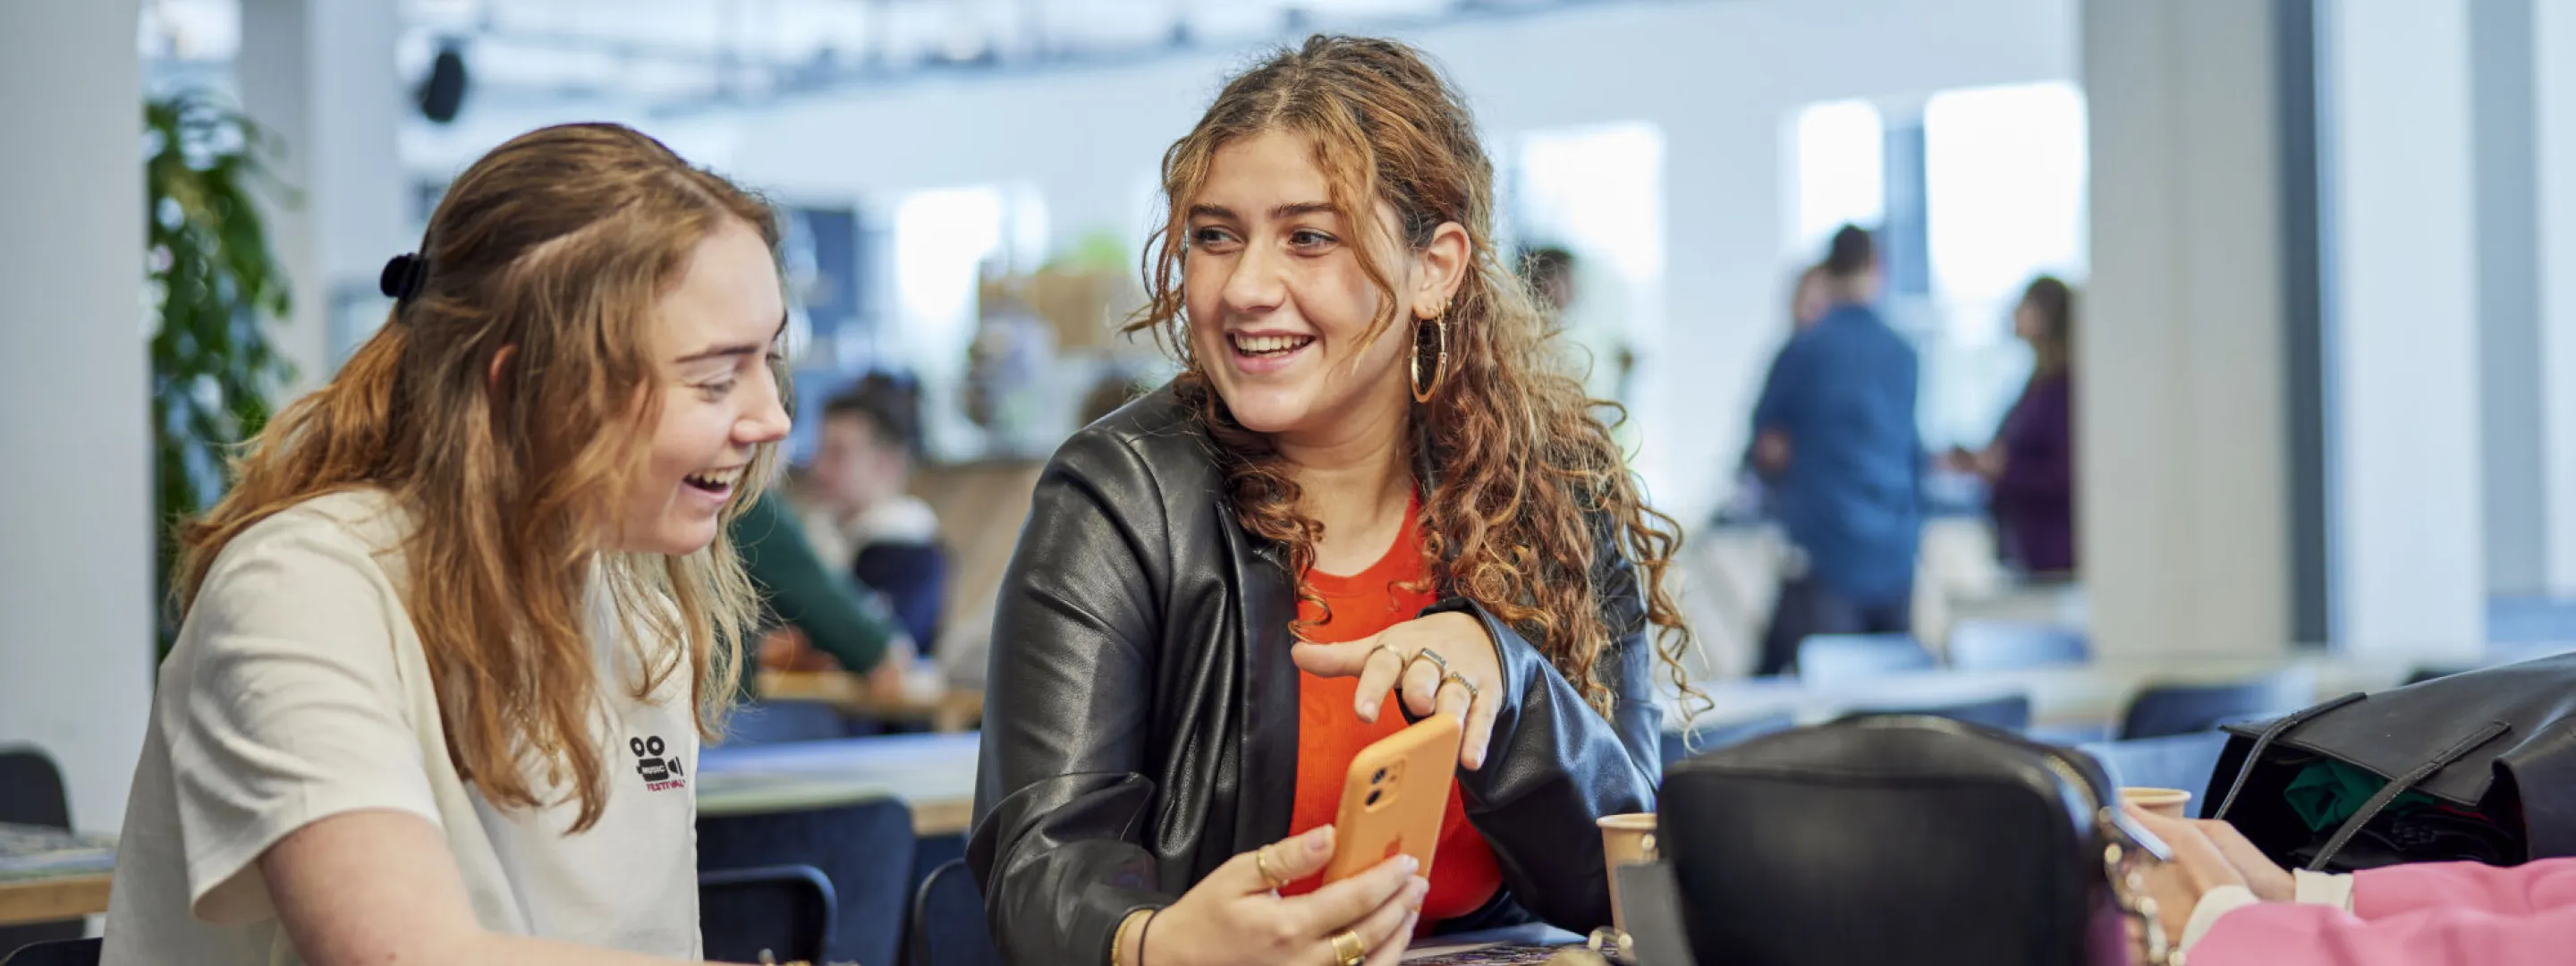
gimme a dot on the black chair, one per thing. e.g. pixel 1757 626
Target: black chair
pixel 948 924
pixel 784 912
pixel 2173 761
pixel 1678 745
pixel 863 849
pixel 772 722
pixel 2009 712
pixel 1837 658
pixel 61 952
pixel 1983 645
pixel 31 793
pixel 2181 709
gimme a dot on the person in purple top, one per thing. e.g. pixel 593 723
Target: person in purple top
pixel 2030 466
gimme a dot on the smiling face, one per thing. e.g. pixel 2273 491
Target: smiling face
pixel 1280 307
pixel 714 339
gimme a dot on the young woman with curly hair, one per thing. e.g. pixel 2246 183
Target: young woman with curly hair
pixel 1375 468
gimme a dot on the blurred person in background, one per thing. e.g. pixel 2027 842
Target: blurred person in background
pixel 2030 466
pixel 859 510
pixel 1836 442
pixel 1592 331
pixel 1748 503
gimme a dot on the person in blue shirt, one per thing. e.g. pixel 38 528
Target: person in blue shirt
pixel 1836 442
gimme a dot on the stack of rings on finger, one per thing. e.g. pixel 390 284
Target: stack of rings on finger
pixel 1349 948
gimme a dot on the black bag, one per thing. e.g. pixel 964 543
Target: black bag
pixel 2489 757
pixel 1900 839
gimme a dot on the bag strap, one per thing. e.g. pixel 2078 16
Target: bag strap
pixel 2264 743
pixel 2388 793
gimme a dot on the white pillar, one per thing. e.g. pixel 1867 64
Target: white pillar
pixel 2513 446
pixel 2180 422
pixel 76 601
pixel 2554 94
pixel 319 74
pixel 2402 318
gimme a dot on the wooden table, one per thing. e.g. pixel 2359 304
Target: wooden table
pixel 933 774
pixel 48 898
pixel 956 709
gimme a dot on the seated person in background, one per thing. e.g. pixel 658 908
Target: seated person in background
pixel 2226 904
pixel 816 611
pixel 1369 497
pixel 451 641
pixel 2030 466
pixel 860 512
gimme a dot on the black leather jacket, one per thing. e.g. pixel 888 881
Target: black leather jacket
pixel 1141 711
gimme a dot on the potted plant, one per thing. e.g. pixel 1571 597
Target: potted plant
pixel 214 285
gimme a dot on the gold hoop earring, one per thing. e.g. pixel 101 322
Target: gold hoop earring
pixel 1440 362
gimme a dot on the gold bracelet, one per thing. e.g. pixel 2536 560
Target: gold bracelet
pixel 1118 943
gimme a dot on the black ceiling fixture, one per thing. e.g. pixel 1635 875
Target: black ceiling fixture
pixel 442 93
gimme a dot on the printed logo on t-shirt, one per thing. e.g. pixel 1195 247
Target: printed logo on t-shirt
pixel 660 773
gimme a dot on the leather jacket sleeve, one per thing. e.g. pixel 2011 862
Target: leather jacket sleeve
pixel 1556 766
pixel 1061 796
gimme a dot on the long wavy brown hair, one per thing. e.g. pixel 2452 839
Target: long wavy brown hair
pixel 555 247
pixel 1529 490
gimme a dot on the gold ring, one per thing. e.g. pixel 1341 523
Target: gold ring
pixel 1349 949
pixel 1400 661
pixel 1427 654
pixel 1261 861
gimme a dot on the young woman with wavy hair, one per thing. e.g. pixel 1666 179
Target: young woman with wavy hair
pixel 450 642
pixel 1376 474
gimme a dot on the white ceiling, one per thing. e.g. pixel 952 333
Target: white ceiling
pixel 678 52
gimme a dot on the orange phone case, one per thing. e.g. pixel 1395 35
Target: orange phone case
pixel 1394 797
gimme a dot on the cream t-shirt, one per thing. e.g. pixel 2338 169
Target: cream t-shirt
pixel 298 690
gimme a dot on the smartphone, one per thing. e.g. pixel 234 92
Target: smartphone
pixel 1394 797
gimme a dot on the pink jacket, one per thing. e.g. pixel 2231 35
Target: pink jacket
pixel 2447 914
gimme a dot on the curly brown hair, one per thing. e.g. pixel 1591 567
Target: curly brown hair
pixel 1528 477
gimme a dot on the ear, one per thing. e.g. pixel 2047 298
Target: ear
pixel 1443 268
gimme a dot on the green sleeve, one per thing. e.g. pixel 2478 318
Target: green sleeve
pixel 802 591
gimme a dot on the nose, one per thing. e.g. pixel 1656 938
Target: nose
pixel 766 420
pixel 1256 284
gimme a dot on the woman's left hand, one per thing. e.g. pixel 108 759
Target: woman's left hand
pixel 1395 658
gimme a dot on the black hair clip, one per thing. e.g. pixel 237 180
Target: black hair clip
pixel 403 276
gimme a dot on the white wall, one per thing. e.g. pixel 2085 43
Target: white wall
pixel 75 538
pixel 1720 78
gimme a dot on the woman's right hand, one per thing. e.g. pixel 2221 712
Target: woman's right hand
pixel 1236 916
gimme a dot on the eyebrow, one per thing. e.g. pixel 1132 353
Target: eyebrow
pixel 1281 213
pixel 736 350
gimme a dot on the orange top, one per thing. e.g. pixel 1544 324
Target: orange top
pixel 1329 735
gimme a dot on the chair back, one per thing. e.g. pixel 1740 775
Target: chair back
pixel 1838 658
pixel 2181 709
pixel 61 952
pixel 31 793
pixel 1680 745
pixel 780 913
pixel 864 849
pixel 948 924
pixel 1990 645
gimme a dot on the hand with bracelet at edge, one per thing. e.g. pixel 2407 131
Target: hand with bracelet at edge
pixel 1236 915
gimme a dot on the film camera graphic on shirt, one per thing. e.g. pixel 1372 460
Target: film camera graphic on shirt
pixel 659 772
